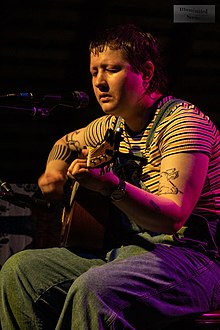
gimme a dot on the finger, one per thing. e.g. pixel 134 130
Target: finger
pixel 76 162
pixel 84 152
pixel 79 172
pixel 76 165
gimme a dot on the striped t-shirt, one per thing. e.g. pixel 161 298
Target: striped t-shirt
pixel 184 129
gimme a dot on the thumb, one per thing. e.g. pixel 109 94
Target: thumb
pixel 84 152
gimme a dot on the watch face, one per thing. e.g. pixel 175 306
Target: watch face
pixel 117 195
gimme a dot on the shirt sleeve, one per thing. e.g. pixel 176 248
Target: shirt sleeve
pixel 187 129
pixel 95 132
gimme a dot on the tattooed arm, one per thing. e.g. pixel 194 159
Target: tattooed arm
pixel 64 151
pixel 181 182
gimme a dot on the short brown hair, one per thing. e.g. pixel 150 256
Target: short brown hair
pixel 137 47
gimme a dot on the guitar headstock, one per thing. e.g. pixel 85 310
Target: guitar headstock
pixel 100 156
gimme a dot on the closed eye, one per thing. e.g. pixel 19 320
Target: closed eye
pixel 94 73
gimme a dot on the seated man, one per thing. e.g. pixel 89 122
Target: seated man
pixel 161 179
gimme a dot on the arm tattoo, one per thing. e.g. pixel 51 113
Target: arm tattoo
pixel 67 152
pixel 72 143
pixel 61 152
pixel 166 185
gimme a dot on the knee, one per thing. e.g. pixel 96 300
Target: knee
pixel 16 263
pixel 94 280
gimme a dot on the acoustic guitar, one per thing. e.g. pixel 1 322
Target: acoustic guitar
pixel 86 212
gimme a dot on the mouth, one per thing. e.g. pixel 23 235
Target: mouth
pixel 104 97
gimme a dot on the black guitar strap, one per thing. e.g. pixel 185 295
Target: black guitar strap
pixel 165 110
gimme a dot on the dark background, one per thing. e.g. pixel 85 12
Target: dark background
pixel 44 49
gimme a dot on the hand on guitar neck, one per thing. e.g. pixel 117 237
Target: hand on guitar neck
pixel 94 171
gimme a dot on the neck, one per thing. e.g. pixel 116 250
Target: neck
pixel 141 118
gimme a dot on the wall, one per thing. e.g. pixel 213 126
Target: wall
pixel 44 50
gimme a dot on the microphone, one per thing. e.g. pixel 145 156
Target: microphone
pixel 72 99
pixel 75 99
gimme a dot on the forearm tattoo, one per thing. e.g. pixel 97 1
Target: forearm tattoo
pixel 61 152
pixel 166 185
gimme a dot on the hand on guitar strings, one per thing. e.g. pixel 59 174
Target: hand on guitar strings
pixel 92 178
pixel 52 185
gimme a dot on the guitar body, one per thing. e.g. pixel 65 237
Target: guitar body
pixel 86 213
pixel 84 221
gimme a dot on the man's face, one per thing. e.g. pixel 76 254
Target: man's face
pixel 117 88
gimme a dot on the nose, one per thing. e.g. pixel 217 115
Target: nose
pixel 100 81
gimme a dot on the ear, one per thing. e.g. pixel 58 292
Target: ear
pixel 148 71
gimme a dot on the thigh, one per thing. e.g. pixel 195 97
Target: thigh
pixel 154 286
pixel 42 269
pixel 34 285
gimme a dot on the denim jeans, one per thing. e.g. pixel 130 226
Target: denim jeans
pixel 136 286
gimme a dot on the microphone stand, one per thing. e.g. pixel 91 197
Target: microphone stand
pixel 38 105
pixel 35 111
pixel 22 200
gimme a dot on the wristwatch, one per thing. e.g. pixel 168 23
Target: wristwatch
pixel 119 192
